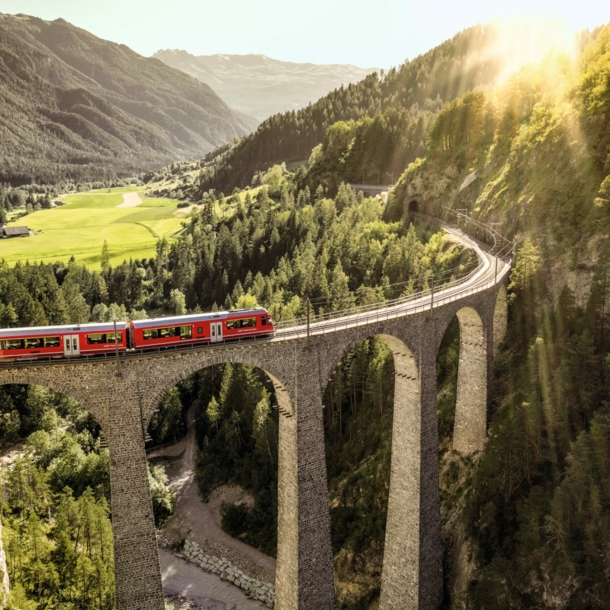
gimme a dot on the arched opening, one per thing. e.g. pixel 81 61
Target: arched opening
pixel 413 207
pixel 54 500
pixel 500 318
pixel 371 410
pixel 223 472
pixel 462 407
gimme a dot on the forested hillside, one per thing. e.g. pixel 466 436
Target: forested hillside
pixel 75 106
pixel 536 505
pixel 475 57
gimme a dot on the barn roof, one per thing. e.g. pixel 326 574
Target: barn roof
pixel 15 231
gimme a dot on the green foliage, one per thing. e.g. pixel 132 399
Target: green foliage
pixel 54 505
pixel 163 499
pixel 538 504
pixel 369 151
pixel 237 432
pixel 535 159
pixel 66 559
pixel 278 254
pixel 593 94
pixel 168 423
pixel 54 502
pixel 527 265
pixel 446 374
pixel 358 422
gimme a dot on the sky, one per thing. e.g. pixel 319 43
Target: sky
pixel 379 34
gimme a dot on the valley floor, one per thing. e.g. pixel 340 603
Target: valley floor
pixel 200 522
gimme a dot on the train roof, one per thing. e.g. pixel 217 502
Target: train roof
pixel 42 331
pixel 196 317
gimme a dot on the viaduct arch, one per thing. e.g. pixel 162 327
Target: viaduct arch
pixel 122 396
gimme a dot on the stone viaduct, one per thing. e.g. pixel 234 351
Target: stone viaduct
pixel 123 395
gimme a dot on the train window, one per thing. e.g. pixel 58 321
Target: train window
pixel 31 343
pixel 51 342
pixel 264 321
pixel 162 333
pixel 186 332
pixel 200 330
pixel 103 338
pixel 14 344
pixel 242 323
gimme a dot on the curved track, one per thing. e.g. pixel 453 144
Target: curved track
pixel 490 270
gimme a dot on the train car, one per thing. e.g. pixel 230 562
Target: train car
pixel 214 327
pixel 61 341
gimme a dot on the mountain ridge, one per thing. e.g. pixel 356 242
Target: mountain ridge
pixel 76 106
pixel 260 85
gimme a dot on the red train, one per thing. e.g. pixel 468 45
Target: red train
pixel 99 338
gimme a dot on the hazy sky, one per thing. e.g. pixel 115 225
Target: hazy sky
pixel 379 33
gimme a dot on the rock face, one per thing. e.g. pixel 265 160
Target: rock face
pixel 260 86
pixel 261 591
pixel 4 582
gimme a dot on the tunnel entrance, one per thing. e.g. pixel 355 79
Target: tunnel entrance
pixel 413 207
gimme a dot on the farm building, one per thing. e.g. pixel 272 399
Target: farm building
pixel 13 231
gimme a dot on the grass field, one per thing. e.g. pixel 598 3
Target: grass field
pixel 80 227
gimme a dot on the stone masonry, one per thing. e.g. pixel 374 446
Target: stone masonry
pixel 261 591
pixel 123 397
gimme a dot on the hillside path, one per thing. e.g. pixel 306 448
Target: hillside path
pixel 198 520
pixel 130 200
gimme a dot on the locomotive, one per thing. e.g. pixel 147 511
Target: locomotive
pixel 99 338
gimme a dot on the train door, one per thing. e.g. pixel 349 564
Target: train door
pixel 216 332
pixel 71 345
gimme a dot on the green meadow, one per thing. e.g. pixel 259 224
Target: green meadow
pixel 80 227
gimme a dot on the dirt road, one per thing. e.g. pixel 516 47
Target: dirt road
pixel 198 521
pixel 130 200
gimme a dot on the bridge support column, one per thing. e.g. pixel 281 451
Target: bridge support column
pixel 412 576
pixel 136 558
pixel 305 576
pixel 470 427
